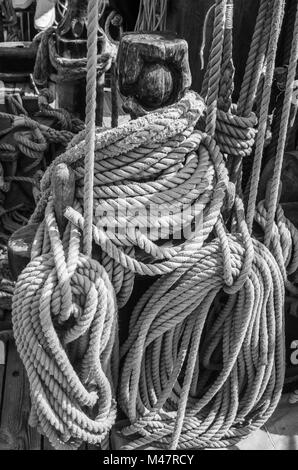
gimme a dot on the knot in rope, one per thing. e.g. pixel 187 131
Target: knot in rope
pixel 64 118
pixel 74 316
pixel 32 144
pixel 236 134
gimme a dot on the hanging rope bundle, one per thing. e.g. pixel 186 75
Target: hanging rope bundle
pixel 64 298
pixel 72 401
pixel 203 370
pixel 203 365
pixel 235 131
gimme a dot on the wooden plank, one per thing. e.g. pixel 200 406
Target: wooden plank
pixel 2 372
pixel 2 354
pixel 15 433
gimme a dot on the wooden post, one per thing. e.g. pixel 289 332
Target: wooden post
pixel 20 243
pixel 153 70
pixel 71 43
pixel 63 185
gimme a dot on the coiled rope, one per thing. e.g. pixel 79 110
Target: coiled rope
pixel 204 362
pixel 72 305
pixel 50 65
pixel 151 159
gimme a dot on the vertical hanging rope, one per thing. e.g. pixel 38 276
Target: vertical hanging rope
pixel 277 18
pixel 275 184
pixel 226 87
pixel 253 73
pixel 92 29
pixel 255 62
pixel 152 15
pixel 215 65
pixel 289 20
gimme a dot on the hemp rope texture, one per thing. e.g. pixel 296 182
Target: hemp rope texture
pixel 188 403
pixel 160 145
pixel 167 387
pixel 277 18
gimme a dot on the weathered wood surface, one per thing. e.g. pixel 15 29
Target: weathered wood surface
pixel 19 249
pixel 63 187
pixel 71 43
pixel 20 243
pixel 186 18
pixel 280 433
pixel 15 432
pixel 153 69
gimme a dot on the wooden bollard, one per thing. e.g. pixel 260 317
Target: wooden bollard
pixel 20 243
pixel 153 70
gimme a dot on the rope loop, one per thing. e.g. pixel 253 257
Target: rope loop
pixel 236 134
pixel 49 64
pixel 67 338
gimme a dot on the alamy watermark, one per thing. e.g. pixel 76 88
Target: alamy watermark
pixel 124 220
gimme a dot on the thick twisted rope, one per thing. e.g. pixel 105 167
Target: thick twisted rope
pixel 215 61
pixel 278 12
pixel 235 134
pixel 152 16
pixel 50 65
pixel 155 156
pixel 204 362
pixel 90 121
pixel 189 379
pixel 275 184
pixel 149 164
pixel 64 303
pixel 201 370
pixel 252 78
pixel 256 58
